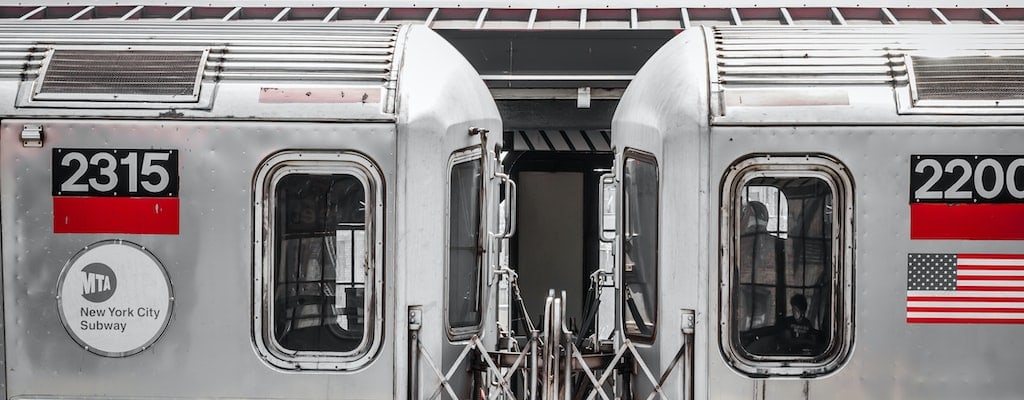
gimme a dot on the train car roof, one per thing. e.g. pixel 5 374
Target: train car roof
pixel 534 14
pixel 851 75
pixel 216 69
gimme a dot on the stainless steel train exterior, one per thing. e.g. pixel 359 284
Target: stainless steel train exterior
pixel 226 210
pixel 230 210
pixel 840 206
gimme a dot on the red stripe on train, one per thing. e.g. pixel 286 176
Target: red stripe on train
pixel 138 215
pixel 990 267
pixel 989 278
pixel 1002 221
pixel 967 298
pixel 993 256
pixel 967 310
pixel 918 320
pixel 990 288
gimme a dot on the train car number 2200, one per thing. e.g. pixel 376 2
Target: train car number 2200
pixel 966 179
pixel 115 172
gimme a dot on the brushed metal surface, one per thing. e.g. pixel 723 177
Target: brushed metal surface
pixel 243 59
pixel 672 109
pixel 432 99
pixel 208 343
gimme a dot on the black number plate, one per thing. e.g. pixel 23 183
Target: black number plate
pixel 115 172
pixel 966 179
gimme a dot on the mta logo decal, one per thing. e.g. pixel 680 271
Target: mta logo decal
pixel 99 284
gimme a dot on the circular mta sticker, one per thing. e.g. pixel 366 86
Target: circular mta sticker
pixel 114 298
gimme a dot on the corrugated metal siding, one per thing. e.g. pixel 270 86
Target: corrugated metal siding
pixel 842 55
pixel 969 78
pixel 153 72
pixel 361 54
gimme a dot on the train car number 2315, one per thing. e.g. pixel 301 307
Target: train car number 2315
pixel 115 172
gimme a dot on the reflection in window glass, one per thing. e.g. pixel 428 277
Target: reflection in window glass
pixel 320 273
pixel 640 241
pixel 775 201
pixel 464 247
pixel 782 288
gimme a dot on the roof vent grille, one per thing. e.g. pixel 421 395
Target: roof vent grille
pixel 968 78
pixel 122 75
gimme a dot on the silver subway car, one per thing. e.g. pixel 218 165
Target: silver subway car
pixel 240 211
pixel 840 207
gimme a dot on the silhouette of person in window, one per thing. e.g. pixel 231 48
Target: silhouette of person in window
pixel 755 217
pixel 798 335
pixel 758 265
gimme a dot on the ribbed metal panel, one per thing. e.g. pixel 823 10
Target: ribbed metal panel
pixel 842 55
pixel 969 78
pixel 360 54
pixel 132 72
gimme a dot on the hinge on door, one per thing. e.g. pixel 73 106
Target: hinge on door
pixel 32 135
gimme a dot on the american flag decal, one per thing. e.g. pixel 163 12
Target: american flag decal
pixel 965 288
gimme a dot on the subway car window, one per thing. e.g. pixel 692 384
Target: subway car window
pixel 790 266
pixel 782 292
pixel 640 246
pixel 320 297
pixel 318 240
pixel 464 247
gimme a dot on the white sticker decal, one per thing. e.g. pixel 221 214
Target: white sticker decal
pixel 114 298
pixel 323 95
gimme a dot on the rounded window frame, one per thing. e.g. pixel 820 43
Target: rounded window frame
pixel 469 154
pixel 646 157
pixel 269 174
pixel 838 177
